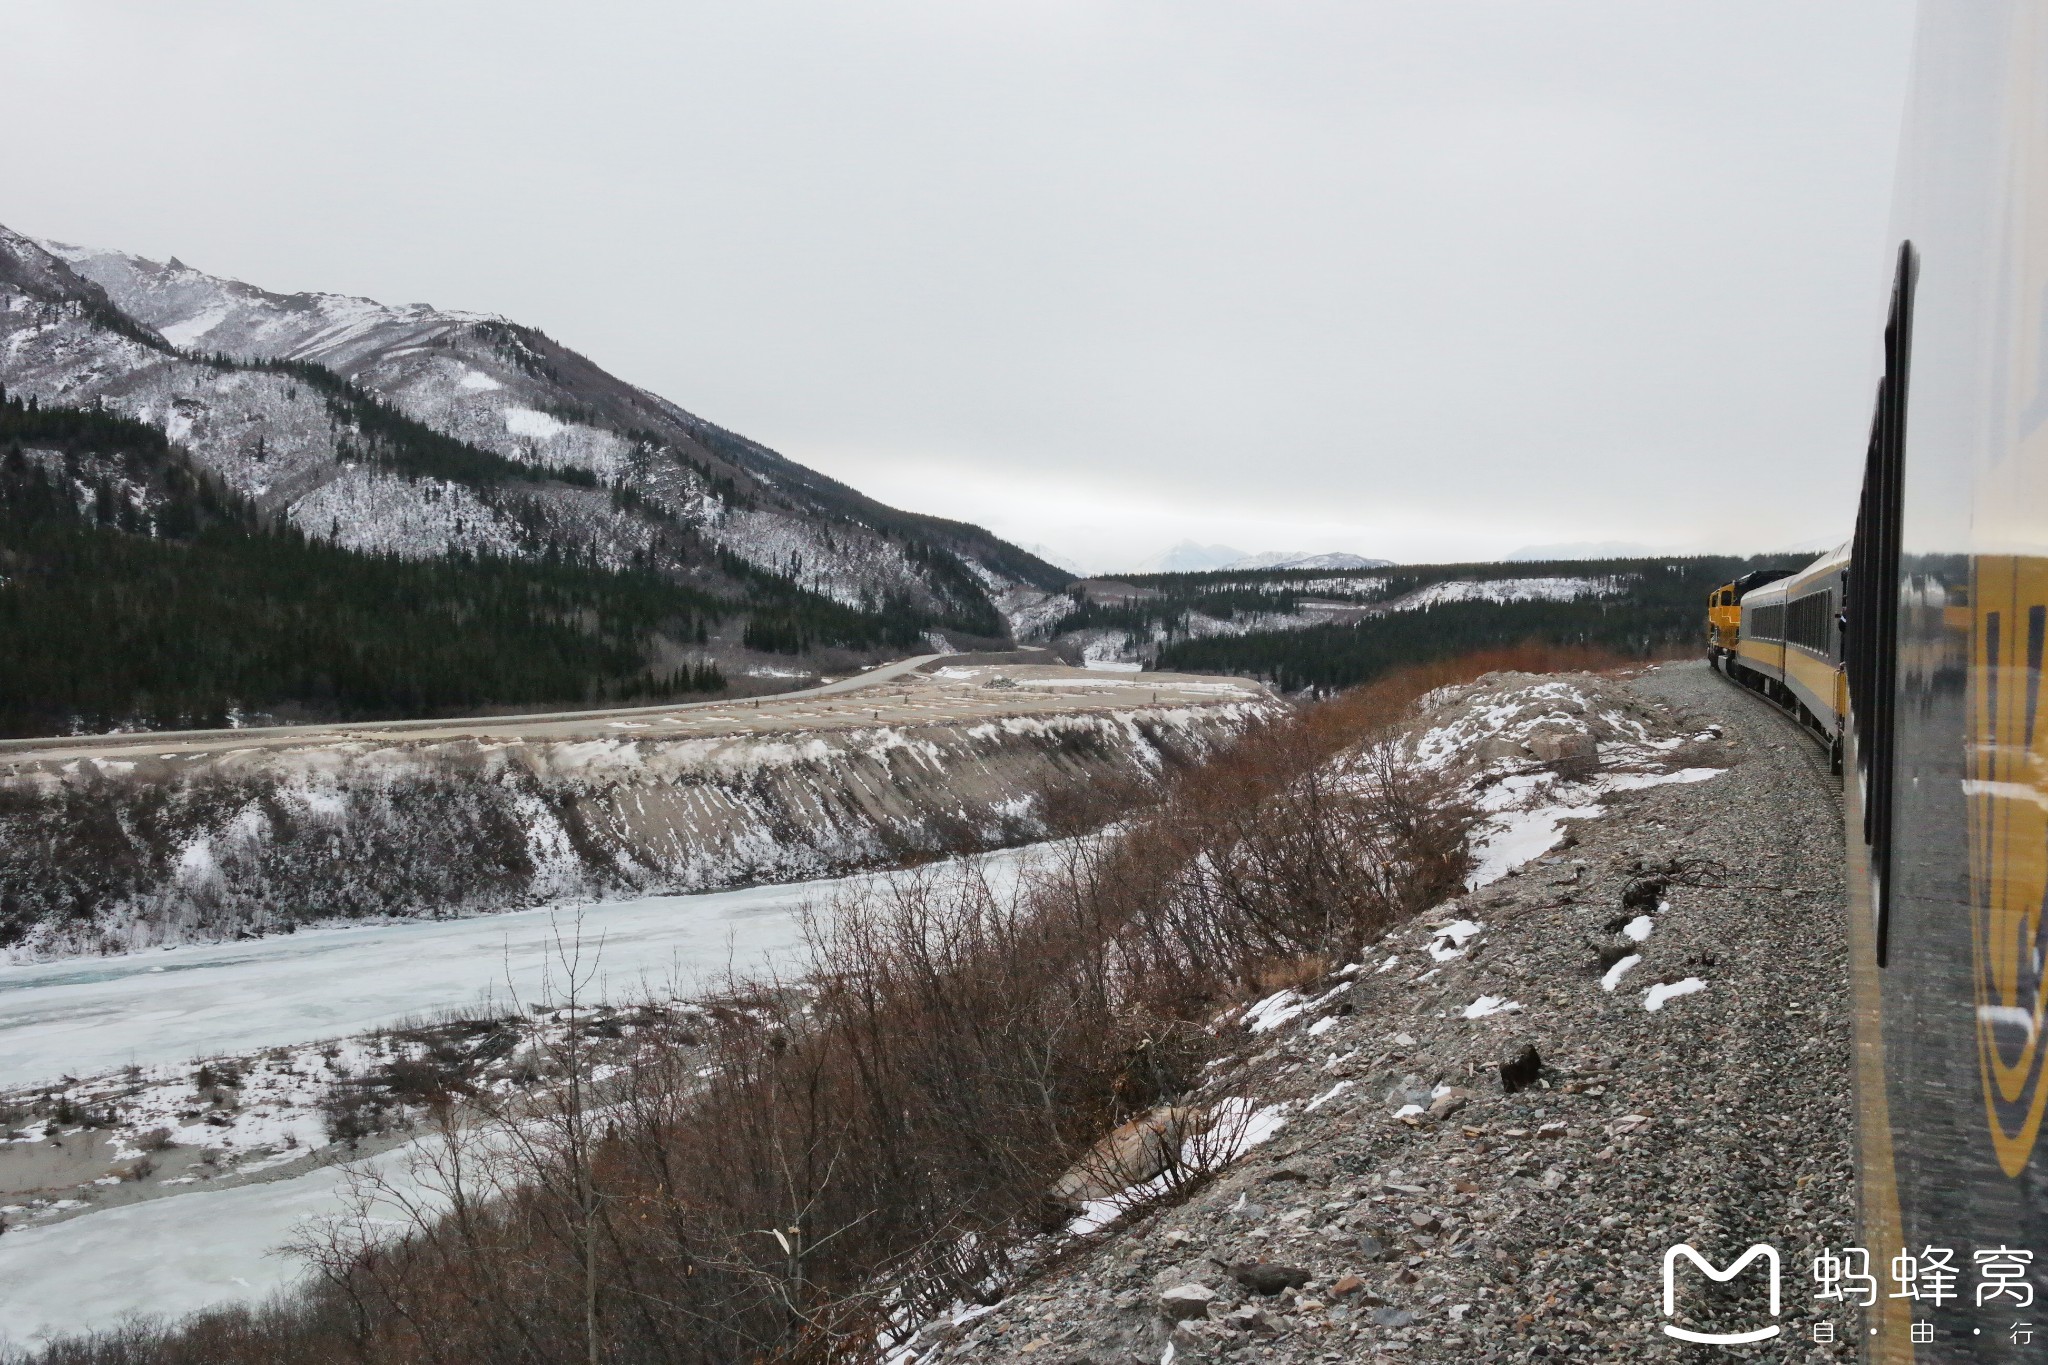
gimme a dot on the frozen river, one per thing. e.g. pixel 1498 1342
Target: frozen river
pixel 182 1252
pixel 81 1017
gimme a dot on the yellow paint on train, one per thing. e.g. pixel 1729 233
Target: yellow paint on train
pixel 1819 680
pixel 1766 655
pixel 2007 793
pixel 1724 618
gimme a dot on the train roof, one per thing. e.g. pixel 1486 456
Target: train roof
pixel 1759 577
pixel 1772 584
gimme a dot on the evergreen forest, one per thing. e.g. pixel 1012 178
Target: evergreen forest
pixel 1661 610
pixel 136 593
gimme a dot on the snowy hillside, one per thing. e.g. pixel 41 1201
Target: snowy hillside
pixel 1511 590
pixel 564 454
pixel 1113 621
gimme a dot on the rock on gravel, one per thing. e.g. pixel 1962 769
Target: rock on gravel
pixel 1186 1301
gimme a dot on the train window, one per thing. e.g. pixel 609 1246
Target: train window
pixel 1766 623
pixel 1810 622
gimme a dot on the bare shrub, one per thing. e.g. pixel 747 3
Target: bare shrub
pixel 813 1166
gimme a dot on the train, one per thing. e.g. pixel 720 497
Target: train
pixel 1781 632
pixel 1915 653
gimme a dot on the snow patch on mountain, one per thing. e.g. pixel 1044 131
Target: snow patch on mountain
pixel 378 513
pixel 1512 590
pixel 853 570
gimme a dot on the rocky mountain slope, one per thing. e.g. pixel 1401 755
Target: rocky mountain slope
pixel 419 431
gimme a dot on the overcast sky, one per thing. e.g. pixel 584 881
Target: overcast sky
pixel 1418 280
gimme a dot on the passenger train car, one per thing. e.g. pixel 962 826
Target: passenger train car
pixel 1787 642
pixel 1919 655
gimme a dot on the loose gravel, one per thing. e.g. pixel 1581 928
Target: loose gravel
pixel 1532 1225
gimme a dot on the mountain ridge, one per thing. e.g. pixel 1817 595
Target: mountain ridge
pixel 618 475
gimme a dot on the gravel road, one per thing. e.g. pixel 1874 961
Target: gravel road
pixel 1493 1226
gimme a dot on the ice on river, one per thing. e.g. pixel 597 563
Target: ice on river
pixel 79 1017
pixel 167 1256
pixel 178 1253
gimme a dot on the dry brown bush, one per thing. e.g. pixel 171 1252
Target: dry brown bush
pixel 829 1160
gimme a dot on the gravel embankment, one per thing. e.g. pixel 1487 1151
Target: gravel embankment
pixel 1497 1226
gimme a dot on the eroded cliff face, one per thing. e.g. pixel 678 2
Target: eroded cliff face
pixel 102 855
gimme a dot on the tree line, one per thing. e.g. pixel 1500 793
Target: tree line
pixel 1664 606
pixel 134 590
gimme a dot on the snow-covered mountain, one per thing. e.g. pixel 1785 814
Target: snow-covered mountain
pixel 538 447
pixel 1297 559
pixel 1188 557
pixel 1581 549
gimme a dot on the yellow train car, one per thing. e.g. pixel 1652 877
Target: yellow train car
pixel 1944 642
pixel 1789 645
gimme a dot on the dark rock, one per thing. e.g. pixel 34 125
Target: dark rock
pixel 1186 1301
pixel 1287 1173
pixel 1521 1071
pixel 1644 892
pixel 1055 1213
pixel 1264 1277
pixel 1371 1247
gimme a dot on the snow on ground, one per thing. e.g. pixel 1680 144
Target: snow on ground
pixel 1534 752
pixel 532 422
pixel 1236 1126
pixel 1655 997
pixel 1614 974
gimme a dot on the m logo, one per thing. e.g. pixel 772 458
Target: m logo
pixel 1769 1254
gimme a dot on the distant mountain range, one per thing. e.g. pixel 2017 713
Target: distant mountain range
pixel 417 431
pixel 1280 559
pixel 1186 557
pixel 1191 557
pixel 1581 549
